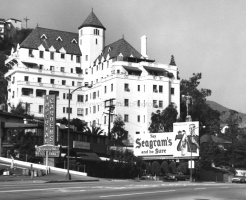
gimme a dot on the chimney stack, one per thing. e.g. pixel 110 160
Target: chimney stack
pixel 144 46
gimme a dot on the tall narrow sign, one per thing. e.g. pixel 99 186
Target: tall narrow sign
pixel 49 119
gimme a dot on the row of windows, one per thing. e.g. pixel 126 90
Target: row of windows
pixel 95 32
pixel 52 81
pixel 80 111
pixel 155 103
pixel 112 88
pixel 52 55
pixel 126 118
pixel 78 70
pixel 93 95
pixel 86 111
pixel 127 88
pixel 97 67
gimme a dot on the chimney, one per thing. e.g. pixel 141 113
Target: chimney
pixel 144 46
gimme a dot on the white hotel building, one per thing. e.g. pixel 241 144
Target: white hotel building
pixel 52 62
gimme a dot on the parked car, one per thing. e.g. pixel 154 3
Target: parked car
pixel 243 180
pixel 237 179
pixel 170 177
pixel 180 176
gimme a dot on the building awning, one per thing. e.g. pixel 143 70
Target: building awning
pixel 29 63
pixel 20 125
pixel 135 69
pixel 156 71
pixel 87 156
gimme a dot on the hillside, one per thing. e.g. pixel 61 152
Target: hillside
pixel 220 108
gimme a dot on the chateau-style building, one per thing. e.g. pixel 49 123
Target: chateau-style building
pixel 52 62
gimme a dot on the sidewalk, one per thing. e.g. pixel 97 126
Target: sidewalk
pixel 50 178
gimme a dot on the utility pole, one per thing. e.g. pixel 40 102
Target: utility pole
pixel 26 21
pixel 111 108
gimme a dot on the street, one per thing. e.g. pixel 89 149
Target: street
pixel 121 190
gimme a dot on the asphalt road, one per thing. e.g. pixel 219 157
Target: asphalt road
pixel 130 190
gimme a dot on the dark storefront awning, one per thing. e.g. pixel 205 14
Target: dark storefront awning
pixel 21 125
pixel 88 156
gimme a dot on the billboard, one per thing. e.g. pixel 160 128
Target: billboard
pixel 49 119
pixel 153 144
pixel 182 143
pixel 186 139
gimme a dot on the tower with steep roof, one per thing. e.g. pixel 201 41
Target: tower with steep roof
pixel 91 39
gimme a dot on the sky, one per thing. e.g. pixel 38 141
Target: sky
pixel 207 37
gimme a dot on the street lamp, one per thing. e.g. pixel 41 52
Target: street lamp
pixel 68 175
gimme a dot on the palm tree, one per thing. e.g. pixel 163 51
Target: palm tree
pixel 94 130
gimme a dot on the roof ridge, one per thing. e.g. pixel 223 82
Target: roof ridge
pixel 56 30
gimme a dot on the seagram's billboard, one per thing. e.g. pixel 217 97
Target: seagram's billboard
pixel 183 142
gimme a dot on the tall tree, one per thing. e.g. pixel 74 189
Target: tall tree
pixel 118 132
pixel 24 144
pixel 162 121
pixel 199 110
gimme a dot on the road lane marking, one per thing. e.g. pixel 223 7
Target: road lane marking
pixel 131 194
pixel 42 189
pixel 200 188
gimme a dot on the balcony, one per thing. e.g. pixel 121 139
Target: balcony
pixel 37 70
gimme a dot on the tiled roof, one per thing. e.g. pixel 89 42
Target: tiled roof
pixel 93 21
pixel 34 40
pixel 120 46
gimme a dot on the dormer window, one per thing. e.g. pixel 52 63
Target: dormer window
pixel 109 49
pixel 43 36
pixel 59 39
pixel 74 41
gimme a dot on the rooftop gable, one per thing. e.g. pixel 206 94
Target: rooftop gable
pixel 119 47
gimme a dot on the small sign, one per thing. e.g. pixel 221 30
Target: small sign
pixel 51 154
pixel 191 164
pixel 81 145
pixel 53 151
